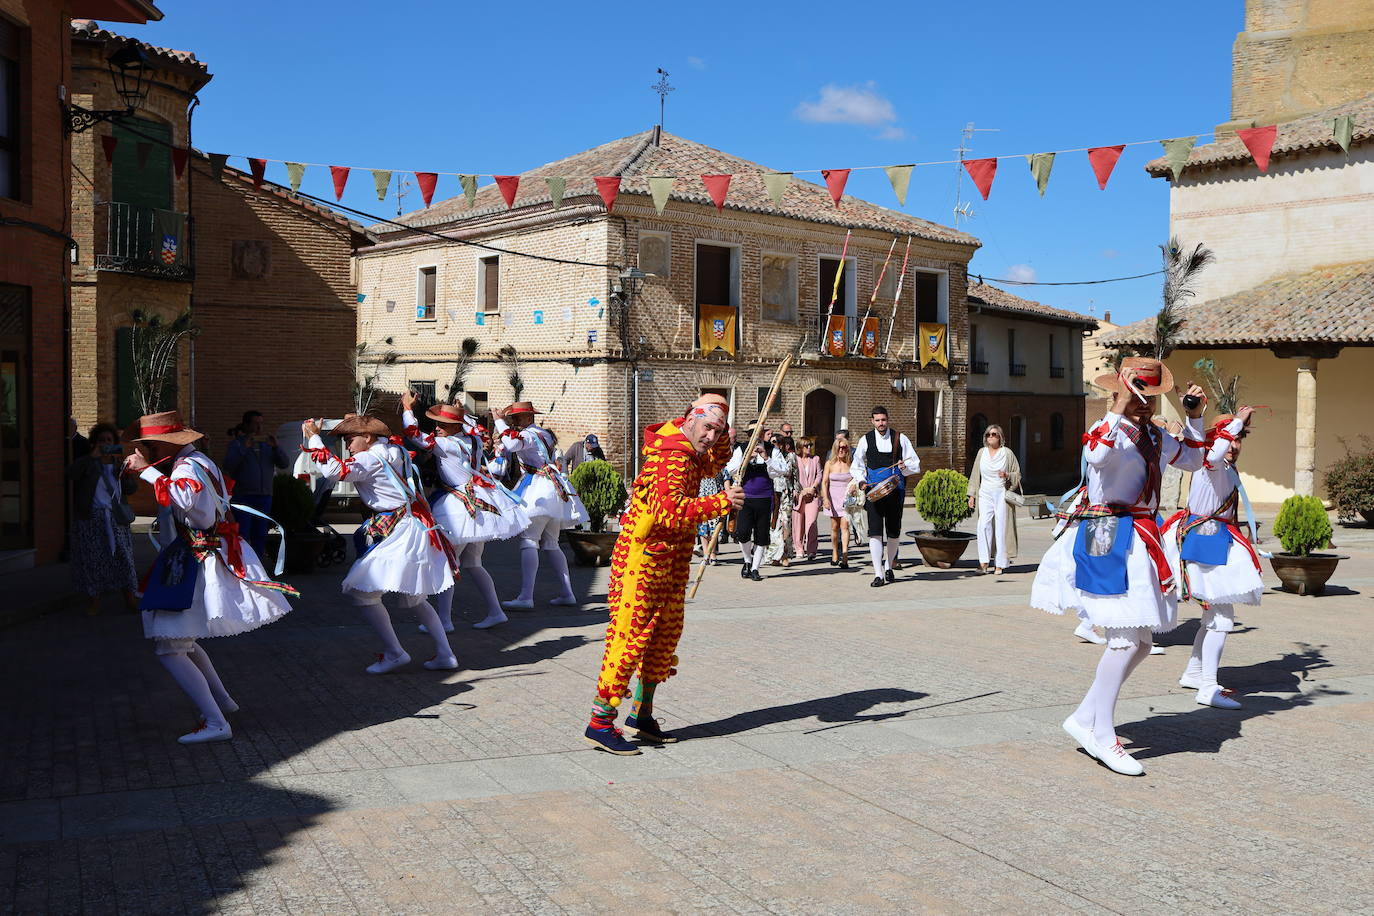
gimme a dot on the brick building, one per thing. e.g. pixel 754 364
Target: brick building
pixel 1026 375
pixel 771 268
pixel 36 239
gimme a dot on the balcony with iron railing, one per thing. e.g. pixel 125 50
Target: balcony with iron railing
pixel 143 240
pixel 1056 371
pixel 1016 369
pixel 978 367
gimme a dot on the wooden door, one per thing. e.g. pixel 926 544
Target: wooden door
pixel 818 419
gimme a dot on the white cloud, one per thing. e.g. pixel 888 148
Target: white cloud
pixel 849 105
pixel 696 63
pixel 1022 273
pixel 1111 253
pixel 892 132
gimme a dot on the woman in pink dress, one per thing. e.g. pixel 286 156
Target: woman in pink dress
pixel 808 499
pixel 835 480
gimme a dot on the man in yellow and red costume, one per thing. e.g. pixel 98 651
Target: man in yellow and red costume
pixel 651 565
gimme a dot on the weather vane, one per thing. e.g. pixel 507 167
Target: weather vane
pixel 662 88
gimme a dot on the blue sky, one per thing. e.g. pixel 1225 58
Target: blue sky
pixel 487 88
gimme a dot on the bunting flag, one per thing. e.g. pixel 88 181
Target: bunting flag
pixel 900 176
pixel 776 183
pixel 868 338
pixel 427 181
pixel 508 186
pixel 259 168
pixel 1176 153
pixel 108 142
pixel 982 172
pixel 660 187
pixel 1343 130
pixel 295 171
pixel 716 328
pixel 556 188
pixel 1259 141
pixel 1040 165
pixel 608 186
pixel 1103 160
pixel 469 183
pixel 144 150
pixel 179 156
pixel 382 179
pixel 835 344
pixel 717 186
pixel 932 340
pixel 340 175
pixel 835 180
pixel 217 163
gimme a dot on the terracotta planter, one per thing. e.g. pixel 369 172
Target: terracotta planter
pixel 942 551
pixel 1305 575
pixel 591 548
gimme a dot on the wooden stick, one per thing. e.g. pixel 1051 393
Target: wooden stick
pixel 896 301
pixel 748 456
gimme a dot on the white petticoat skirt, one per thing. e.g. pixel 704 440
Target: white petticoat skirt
pixel 224 604
pixel 1234 582
pixel 405 563
pixel 1142 606
pixel 541 500
pixel 462 527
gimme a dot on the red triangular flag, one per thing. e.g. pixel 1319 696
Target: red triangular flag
pixel 508 184
pixel 1103 160
pixel 259 167
pixel 1259 141
pixel 179 154
pixel 981 171
pixel 109 142
pixel 340 175
pixel 834 180
pixel 427 181
pixel 608 187
pixel 717 186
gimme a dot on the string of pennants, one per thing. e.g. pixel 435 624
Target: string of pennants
pixel 1259 141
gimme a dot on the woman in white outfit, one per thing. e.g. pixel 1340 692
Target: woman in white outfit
pixel 995 472
pixel 408 556
pixel 469 505
pixel 207 582
pixel 548 497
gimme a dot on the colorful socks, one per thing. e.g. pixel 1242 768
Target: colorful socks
pixel 644 701
pixel 603 715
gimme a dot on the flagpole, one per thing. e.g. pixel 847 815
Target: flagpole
pixel 892 322
pixel 746 458
pixel 835 294
pixel 858 338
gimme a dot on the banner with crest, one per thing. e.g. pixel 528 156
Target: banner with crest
pixel 716 328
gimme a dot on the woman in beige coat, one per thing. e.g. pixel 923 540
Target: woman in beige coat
pixel 995 472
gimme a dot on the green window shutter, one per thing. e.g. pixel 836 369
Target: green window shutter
pixel 150 186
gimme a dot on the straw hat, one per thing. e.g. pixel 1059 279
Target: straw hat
pixel 354 425
pixel 521 407
pixel 1153 373
pixel 447 413
pixel 165 427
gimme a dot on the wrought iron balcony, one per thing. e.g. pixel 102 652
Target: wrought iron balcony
pixel 1016 368
pixel 978 367
pixel 1056 371
pixel 144 240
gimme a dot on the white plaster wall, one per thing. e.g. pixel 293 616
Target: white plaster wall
pixel 1032 349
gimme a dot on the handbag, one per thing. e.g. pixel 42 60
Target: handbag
pixel 1015 497
pixel 122 513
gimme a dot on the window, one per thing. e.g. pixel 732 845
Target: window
pixel 426 284
pixel 480 405
pixel 656 254
pixel 779 284
pixel 763 396
pixel 977 365
pixel 489 284
pixel 425 391
pixel 844 302
pixel 1056 431
pixel 927 418
pixel 717 275
pixel 10 117
pixel 1013 367
pixel 928 300
pixel 1056 370
pixel 141 169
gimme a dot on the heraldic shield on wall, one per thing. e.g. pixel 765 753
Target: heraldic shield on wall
pixel 932 340
pixel 716 325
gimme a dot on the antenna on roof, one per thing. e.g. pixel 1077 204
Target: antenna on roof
pixel 962 209
pixel 402 189
pixel 662 88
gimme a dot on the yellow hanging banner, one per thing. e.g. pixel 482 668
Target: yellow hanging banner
pixel 716 328
pixel 933 340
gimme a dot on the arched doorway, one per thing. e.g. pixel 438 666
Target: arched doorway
pixel 818 419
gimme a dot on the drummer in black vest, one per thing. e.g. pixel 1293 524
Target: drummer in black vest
pixel 882 461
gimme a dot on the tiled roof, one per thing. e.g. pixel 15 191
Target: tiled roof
pixel 1329 304
pixel 999 300
pixel 90 30
pixel 361 236
pixel 636 159
pixel 1305 134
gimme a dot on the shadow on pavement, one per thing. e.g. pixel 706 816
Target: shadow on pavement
pixel 842 708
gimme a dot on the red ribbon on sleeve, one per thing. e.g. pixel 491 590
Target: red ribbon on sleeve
pixel 1097 436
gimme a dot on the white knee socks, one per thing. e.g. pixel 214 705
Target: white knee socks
pixel 529 568
pixel 747 548
pixel 430 618
pixel 892 546
pixel 443 605
pixel 207 670
pixel 379 619
pixel 560 568
pixel 1098 709
pixel 875 551
pixel 189 678
pixel 479 577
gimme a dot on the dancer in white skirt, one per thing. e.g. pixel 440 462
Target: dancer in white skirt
pixel 409 555
pixel 469 505
pixel 1216 564
pixel 207 582
pixel 549 499
pixel 1110 569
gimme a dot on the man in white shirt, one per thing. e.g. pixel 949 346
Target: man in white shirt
pixel 881 455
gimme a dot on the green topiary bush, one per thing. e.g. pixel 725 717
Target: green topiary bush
pixel 942 499
pixel 1350 483
pixel 293 505
pixel 1302 525
pixel 601 489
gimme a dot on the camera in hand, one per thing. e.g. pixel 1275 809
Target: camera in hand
pixel 1191 401
pixel 112 449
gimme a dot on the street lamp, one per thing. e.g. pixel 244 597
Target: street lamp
pixel 129 68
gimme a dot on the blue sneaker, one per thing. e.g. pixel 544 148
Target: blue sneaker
pixel 647 729
pixel 610 740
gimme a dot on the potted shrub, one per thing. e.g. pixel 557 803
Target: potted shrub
pixel 602 491
pixel 942 500
pixel 1350 483
pixel 293 507
pixel 1302 527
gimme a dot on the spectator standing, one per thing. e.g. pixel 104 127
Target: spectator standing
pixel 994 472
pixel 588 448
pixel 102 549
pixel 835 481
pixel 251 462
pixel 780 547
pixel 808 508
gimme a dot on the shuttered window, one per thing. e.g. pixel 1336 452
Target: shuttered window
pixel 426 289
pixel 489 284
pixel 10 118
pixel 142 165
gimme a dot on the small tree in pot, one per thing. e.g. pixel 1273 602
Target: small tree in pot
pixel 1302 527
pixel 293 507
pixel 602 490
pixel 942 500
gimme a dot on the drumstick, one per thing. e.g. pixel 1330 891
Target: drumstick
pixel 748 456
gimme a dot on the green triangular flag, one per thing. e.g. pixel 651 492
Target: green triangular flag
pixel 1343 129
pixel 556 188
pixel 383 180
pixel 217 161
pixel 1040 165
pixel 294 171
pixel 660 186
pixel 776 183
pixel 469 183
pixel 1176 152
pixel 900 176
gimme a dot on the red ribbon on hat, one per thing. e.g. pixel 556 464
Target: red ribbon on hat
pixel 161 430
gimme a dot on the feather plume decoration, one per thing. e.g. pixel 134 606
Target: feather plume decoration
pixel 466 351
pixel 155 344
pixel 511 358
pixel 1181 268
pixel 1225 389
